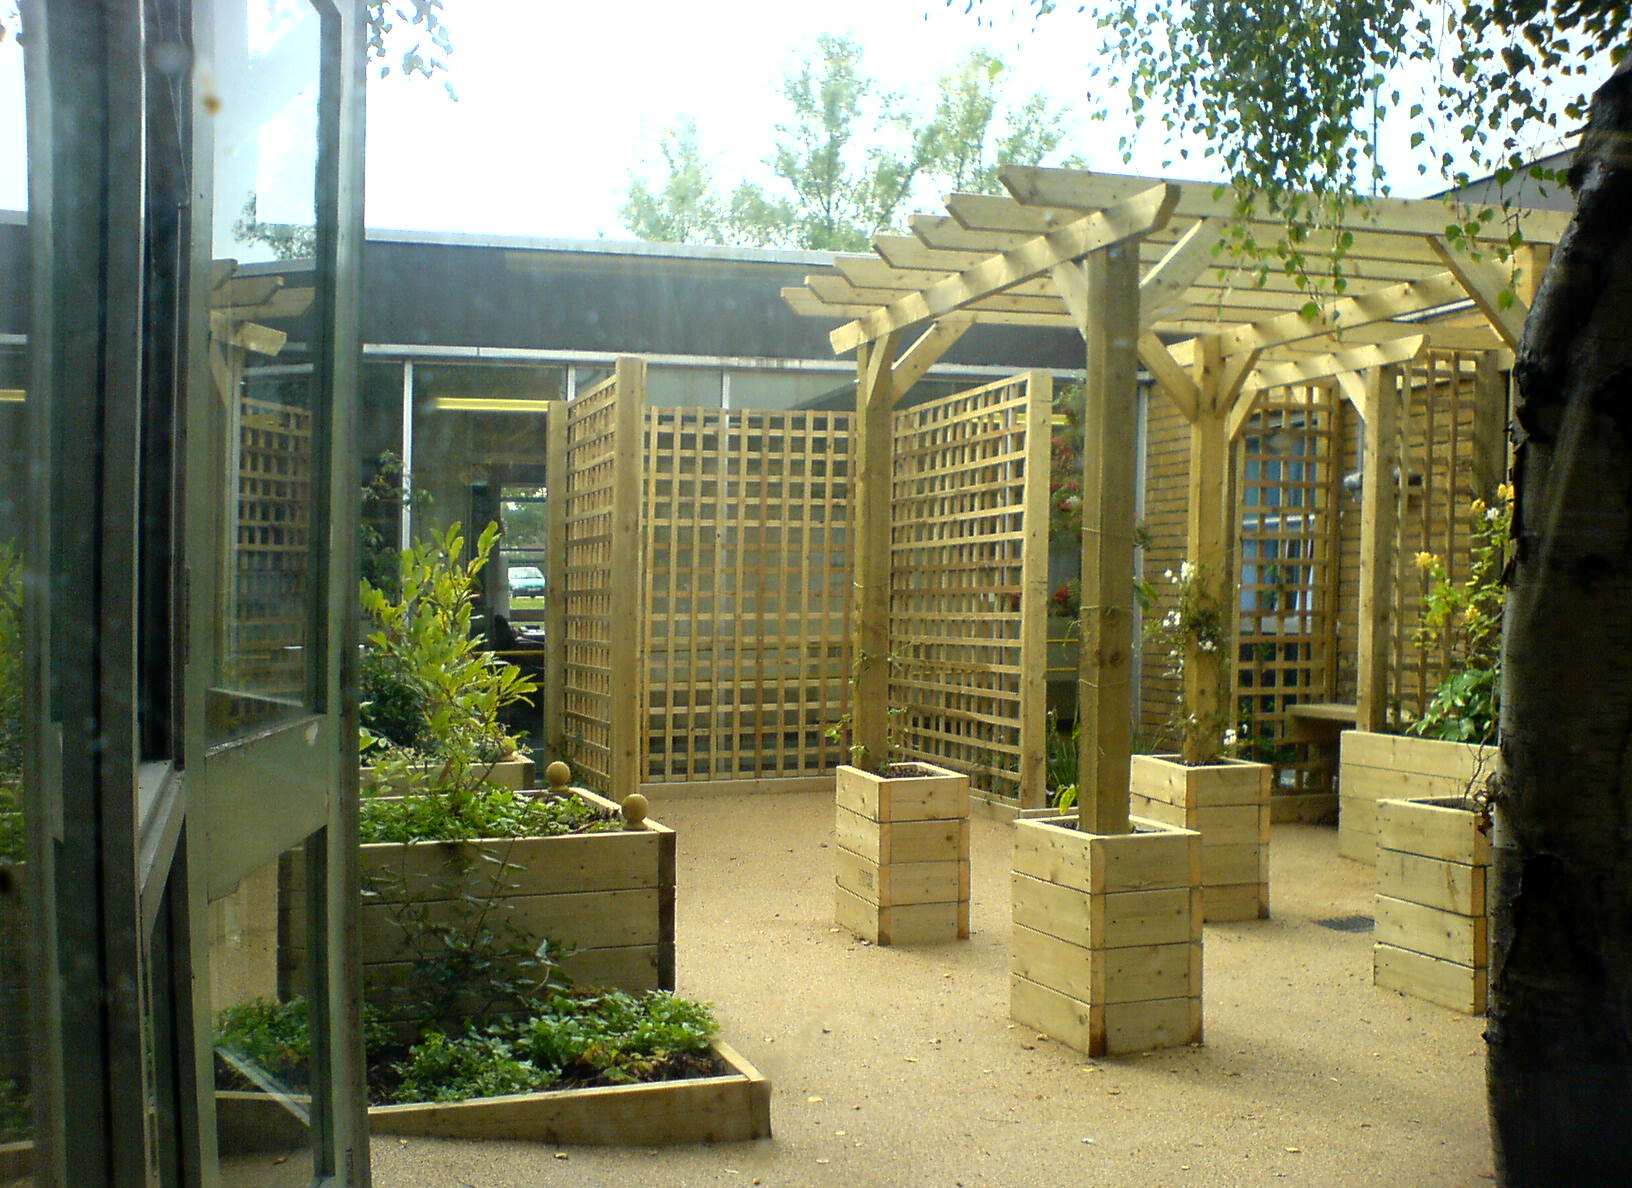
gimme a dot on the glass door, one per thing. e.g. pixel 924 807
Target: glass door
pixel 189 785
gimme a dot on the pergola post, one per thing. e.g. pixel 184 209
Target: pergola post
pixel 1378 517
pixel 870 661
pixel 881 381
pixel 1207 541
pixel 1110 328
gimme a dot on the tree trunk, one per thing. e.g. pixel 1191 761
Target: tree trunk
pixel 1560 1026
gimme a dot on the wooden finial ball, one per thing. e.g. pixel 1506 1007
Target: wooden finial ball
pixel 634 809
pixel 558 775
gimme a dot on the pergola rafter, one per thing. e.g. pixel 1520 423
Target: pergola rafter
pixel 1141 268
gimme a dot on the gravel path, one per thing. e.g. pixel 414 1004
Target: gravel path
pixel 899 1067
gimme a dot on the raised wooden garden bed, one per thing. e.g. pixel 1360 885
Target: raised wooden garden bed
pixel 732 1107
pixel 1107 935
pixel 1228 803
pixel 607 897
pixel 1391 766
pixel 1432 923
pixel 902 855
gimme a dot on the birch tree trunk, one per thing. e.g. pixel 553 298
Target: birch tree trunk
pixel 1560 1025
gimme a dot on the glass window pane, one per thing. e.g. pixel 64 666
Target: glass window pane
pixel 676 387
pixel 261 98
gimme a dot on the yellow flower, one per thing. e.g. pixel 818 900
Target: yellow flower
pixel 1478 507
pixel 1504 492
pixel 1426 560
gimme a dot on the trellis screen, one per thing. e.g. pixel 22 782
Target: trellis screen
pixel 1452 450
pixel 601 577
pixel 1286 634
pixel 748 591
pixel 969 560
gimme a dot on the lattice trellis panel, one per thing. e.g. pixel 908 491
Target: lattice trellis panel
pixel 600 682
pixel 968 547
pixel 1286 636
pixel 268 638
pixel 748 591
pixel 1451 451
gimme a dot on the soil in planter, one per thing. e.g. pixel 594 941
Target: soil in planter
pixel 574 1041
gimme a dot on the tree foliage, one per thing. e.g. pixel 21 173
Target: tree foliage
pixel 1293 96
pixel 850 157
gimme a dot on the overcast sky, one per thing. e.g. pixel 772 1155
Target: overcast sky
pixel 559 102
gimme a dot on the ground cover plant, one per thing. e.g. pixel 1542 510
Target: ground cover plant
pixel 563 1040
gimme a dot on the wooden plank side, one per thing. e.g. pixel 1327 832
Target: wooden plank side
pixel 1069 1020
pixel 1445 982
pixel 1449 886
pixel 1432 932
pixel 1158 1023
pixel 1433 831
pixel 527 866
pixel 1424 756
pixel 1105 921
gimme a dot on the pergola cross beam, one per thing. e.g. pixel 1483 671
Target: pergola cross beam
pixel 1032 258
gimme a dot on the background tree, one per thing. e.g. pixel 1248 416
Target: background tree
pixel 1289 97
pixel 850 158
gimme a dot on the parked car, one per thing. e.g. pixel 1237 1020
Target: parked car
pixel 526 581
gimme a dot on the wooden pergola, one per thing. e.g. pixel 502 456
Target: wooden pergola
pixel 1138 266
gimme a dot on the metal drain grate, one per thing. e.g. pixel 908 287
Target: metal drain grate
pixel 1349 923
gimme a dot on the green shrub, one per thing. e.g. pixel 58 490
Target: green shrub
pixel 442 1069
pixel 275 1037
pixel 16 1116
pixel 488 811
pixel 617 1037
pixel 420 649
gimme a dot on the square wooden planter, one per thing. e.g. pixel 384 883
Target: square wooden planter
pixel 1376 767
pixel 1432 923
pixel 902 855
pixel 734 1107
pixel 1228 804
pixel 1107 935
pixel 607 897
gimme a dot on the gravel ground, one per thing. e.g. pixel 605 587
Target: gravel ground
pixel 899 1066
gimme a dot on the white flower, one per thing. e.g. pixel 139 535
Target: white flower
pixel 1171 619
pixel 1186 571
pixel 1168 574
pixel 1208 645
pixel 1492 513
pixel 1229 738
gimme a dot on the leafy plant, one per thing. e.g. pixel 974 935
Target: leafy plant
pixel 490 811
pixel 1462 624
pixel 441 1068
pixel 421 647
pixel 468 959
pixel 1192 632
pixel 617 1037
pixel 276 1037
pixel 16 1114
pixel 13 841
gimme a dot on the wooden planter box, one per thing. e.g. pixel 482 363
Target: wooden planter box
pixel 1391 766
pixel 1432 923
pixel 1228 804
pixel 1107 935
pixel 731 1108
pixel 902 855
pixel 609 897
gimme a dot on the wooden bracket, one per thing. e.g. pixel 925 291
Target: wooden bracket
pixel 1488 284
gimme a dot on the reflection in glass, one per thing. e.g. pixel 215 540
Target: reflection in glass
pixel 259 979
pixel 15 1122
pixel 260 98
